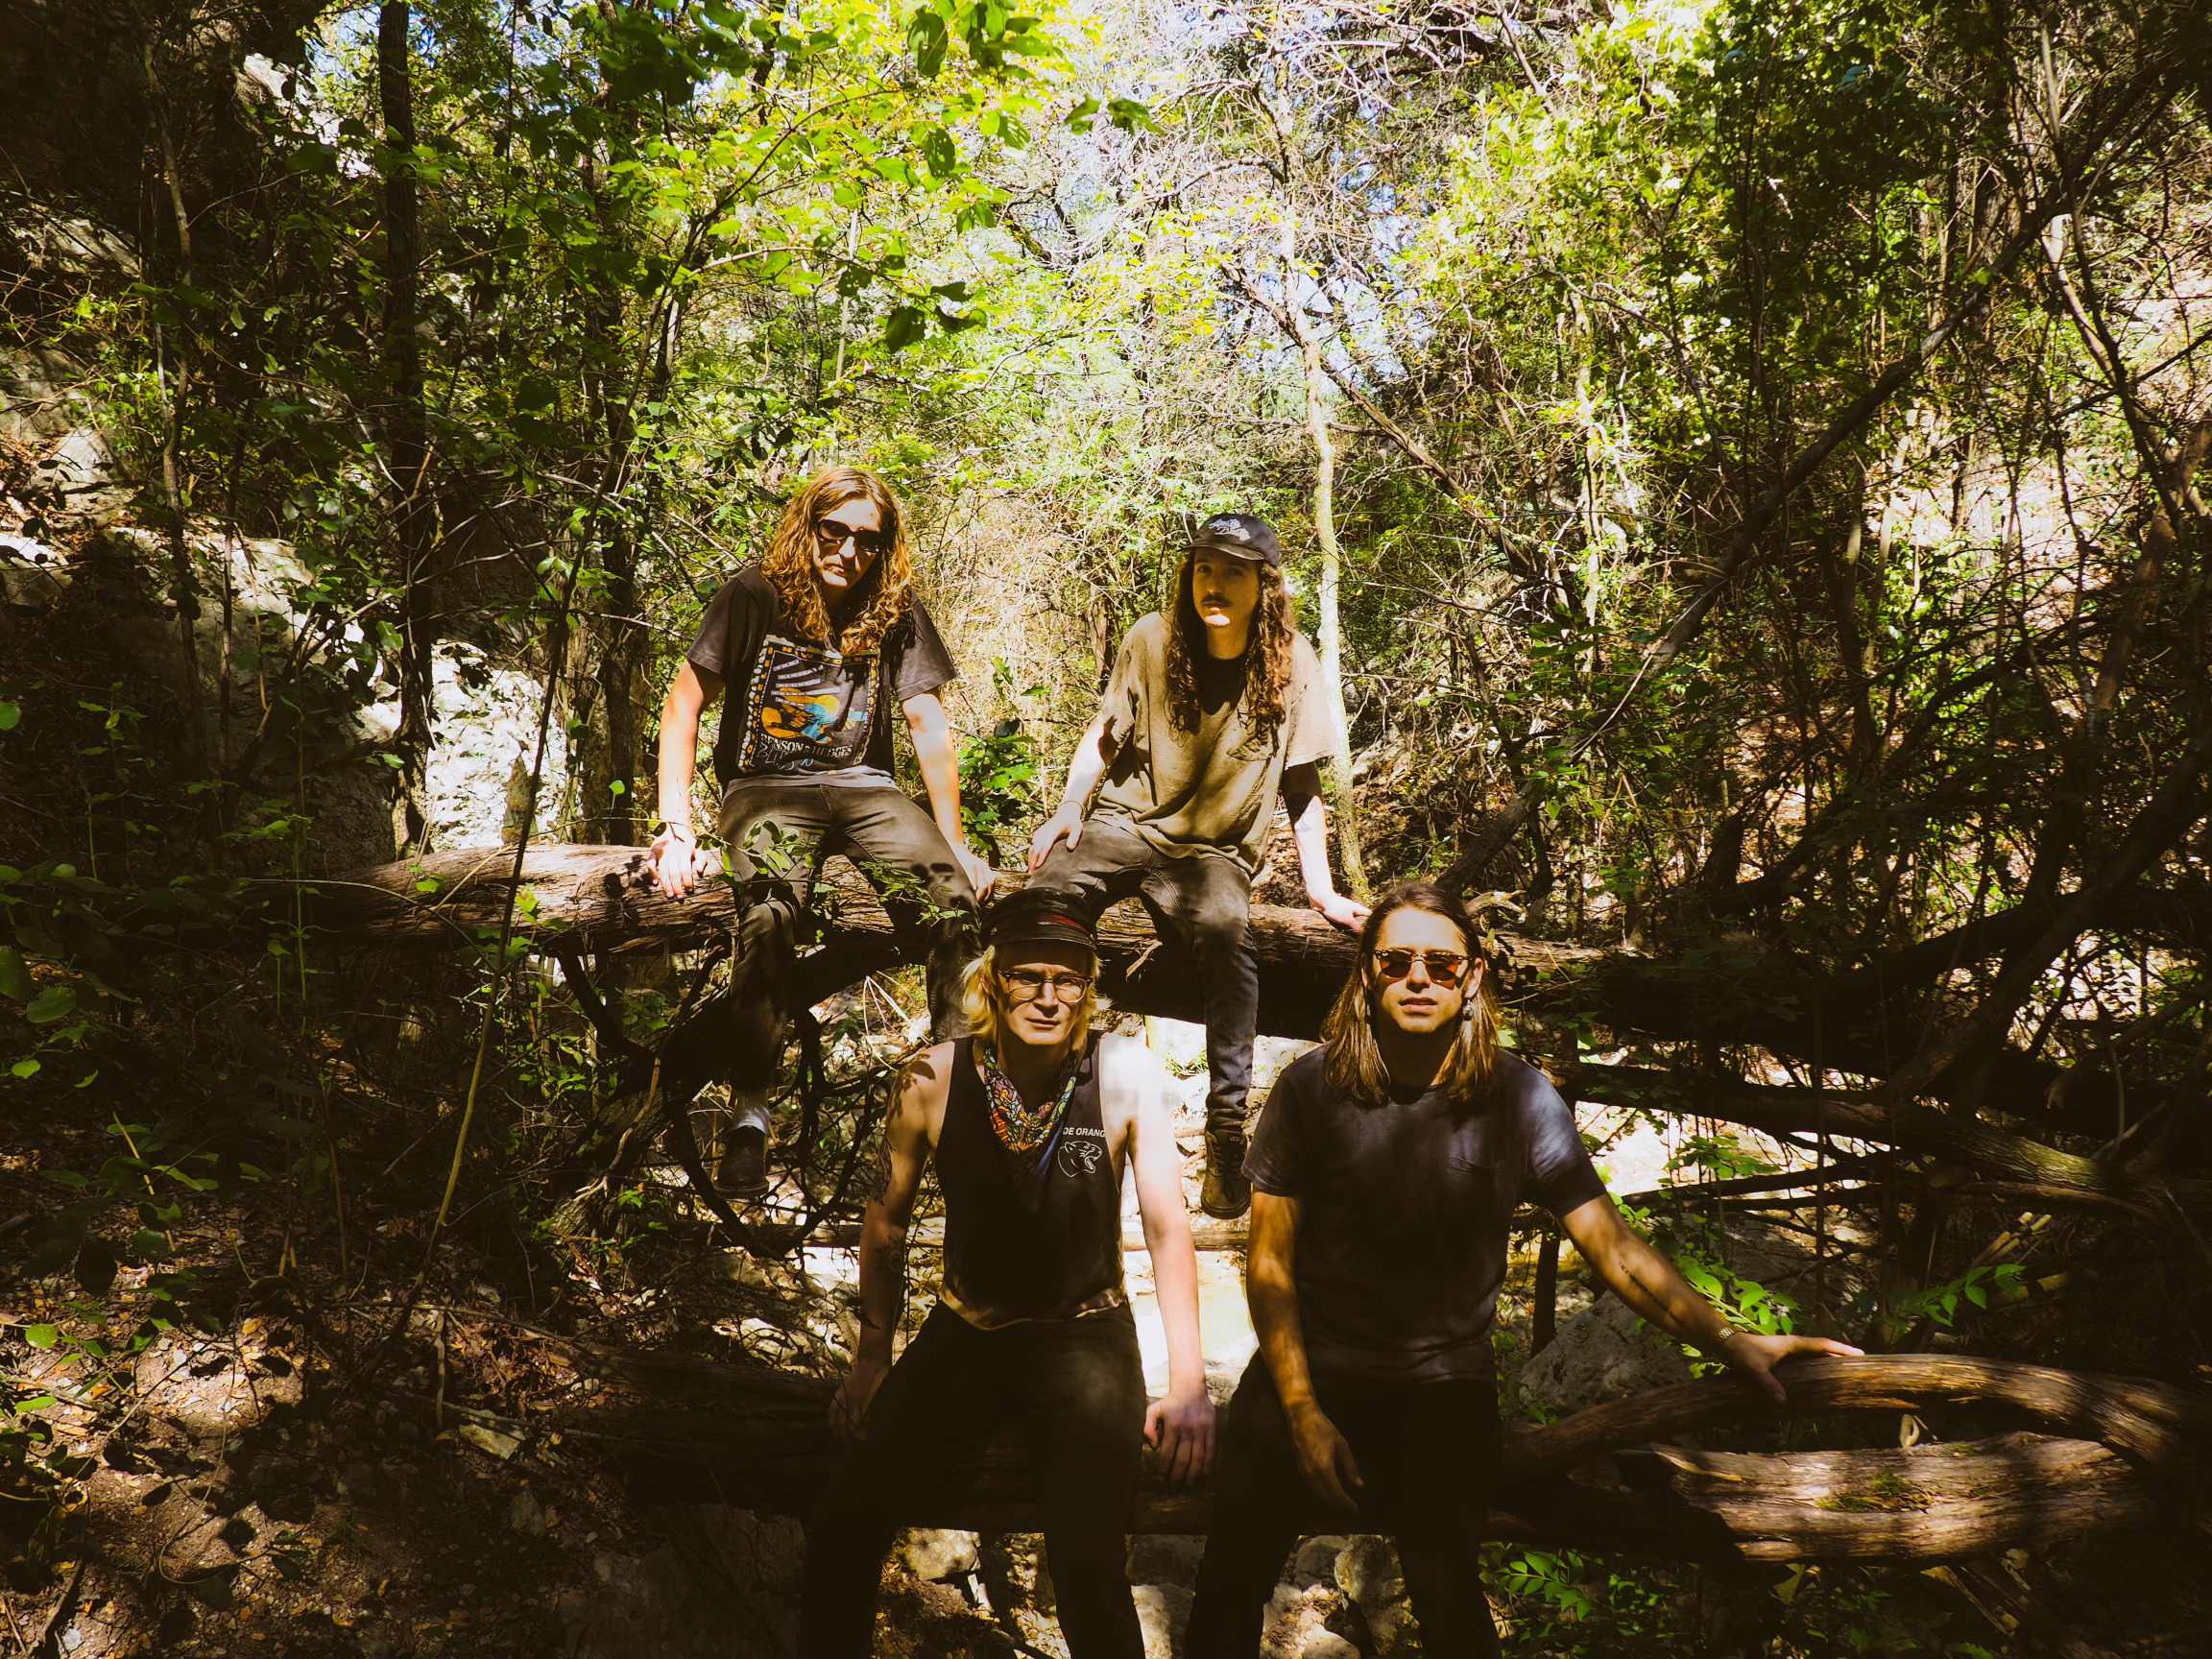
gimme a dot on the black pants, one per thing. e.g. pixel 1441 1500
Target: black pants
pixel 1427 1454
pixel 1201 902
pixel 779 831
pixel 1076 1386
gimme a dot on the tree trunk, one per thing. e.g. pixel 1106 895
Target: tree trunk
pixel 1329 629
pixel 405 423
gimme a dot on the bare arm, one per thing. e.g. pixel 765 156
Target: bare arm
pixel 1271 1290
pixel 1084 770
pixel 932 735
pixel 1309 829
pixel 677 861
pixel 1659 1295
pixel 899 1162
pixel 1182 1423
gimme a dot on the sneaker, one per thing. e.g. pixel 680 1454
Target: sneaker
pixel 743 1172
pixel 1227 1193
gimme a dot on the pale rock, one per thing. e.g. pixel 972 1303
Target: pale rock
pixel 932 1554
pixel 1317 1561
pixel 1162 1611
pixel 1165 1558
pixel 1327 1644
pixel 1367 1571
pixel 33 576
pixel 1603 1353
pixel 526 1515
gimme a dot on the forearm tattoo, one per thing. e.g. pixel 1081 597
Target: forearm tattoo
pixel 880 1180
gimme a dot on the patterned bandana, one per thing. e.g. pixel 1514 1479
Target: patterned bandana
pixel 1021 1132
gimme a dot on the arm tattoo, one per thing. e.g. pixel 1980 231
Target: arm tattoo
pixel 880 1182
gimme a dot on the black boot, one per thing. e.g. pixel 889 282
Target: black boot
pixel 1228 1192
pixel 743 1172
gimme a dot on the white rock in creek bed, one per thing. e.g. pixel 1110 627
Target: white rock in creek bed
pixel 931 1553
pixel 1327 1644
pixel 490 1440
pixel 1317 1561
pixel 1367 1571
pixel 1162 1610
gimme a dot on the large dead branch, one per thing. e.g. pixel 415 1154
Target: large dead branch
pixel 760 1439
pixel 588 899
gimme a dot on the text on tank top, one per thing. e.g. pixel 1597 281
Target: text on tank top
pixel 1021 1244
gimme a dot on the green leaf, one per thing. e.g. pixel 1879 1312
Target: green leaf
pixel 24 1068
pixel 10 714
pixel 55 1002
pixel 41 1335
pixel 926 39
pixel 937 150
pixel 1084 116
pixel 904 327
pixel 15 977
pixel 96 1267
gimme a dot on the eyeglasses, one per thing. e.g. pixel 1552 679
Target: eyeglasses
pixel 1027 985
pixel 1447 968
pixel 830 536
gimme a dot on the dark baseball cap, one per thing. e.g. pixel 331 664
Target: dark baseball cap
pixel 1040 915
pixel 1240 536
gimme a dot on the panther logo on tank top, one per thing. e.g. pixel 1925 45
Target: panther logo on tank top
pixel 1079 1155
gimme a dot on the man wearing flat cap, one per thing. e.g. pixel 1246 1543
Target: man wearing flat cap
pixel 1213 711
pixel 1031 1122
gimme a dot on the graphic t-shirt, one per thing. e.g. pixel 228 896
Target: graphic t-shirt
pixel 1212 789
pixel 1401 1241
pixel 798 708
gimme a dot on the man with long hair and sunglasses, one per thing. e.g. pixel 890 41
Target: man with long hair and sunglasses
pixel 1214 710
pixel 814 644
pixel 1386 1168
pixel 1031 1122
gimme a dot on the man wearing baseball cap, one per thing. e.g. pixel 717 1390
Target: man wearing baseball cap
pixel 1031 1122
pixel 1213 711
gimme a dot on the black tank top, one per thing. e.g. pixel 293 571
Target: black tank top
pixel 1052 1252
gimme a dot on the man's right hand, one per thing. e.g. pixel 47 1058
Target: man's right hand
pixel 679 860
pixel 1067 822
pixel 1324 1457
pixel 848 1405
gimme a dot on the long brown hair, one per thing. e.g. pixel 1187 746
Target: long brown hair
pixel 886 591
pixel 1351 1059
pixel 1269 651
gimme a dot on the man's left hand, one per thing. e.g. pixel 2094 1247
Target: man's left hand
pixel 1348 914
pixel 1179 1427
pixel 1756 1357
pixel 980 875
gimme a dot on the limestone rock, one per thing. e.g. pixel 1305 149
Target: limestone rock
pixel 1600 1355
pixel 1165 1558
pixel 1317 1561
pixel 1327 1644
pixel 526 1515
pixel 1162 1610
pixel 931 1553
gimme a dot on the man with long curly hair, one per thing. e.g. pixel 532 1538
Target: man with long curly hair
pixel 1212 709
pixel 1388 1167
pixel 811 643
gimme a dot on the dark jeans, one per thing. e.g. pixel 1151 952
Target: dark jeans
pixel 888 837
pixel 1076 1386
pixel 1427 1454
pixel 1201 902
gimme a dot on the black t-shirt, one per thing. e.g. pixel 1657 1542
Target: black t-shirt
pixel 1401 1244
pixel 796 707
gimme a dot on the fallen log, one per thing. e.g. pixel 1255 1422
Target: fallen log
pixel 760 1440
pixel 603 899
pixel 581 899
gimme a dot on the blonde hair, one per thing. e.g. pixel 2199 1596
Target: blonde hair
pixel 985 1002
pixel 1352 1061
pixel 789 562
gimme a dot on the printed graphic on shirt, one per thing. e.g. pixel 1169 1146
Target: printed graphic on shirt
pixel 810 709
pixel 1080 1158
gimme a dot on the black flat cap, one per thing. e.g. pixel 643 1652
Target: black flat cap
pixel 1040 915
